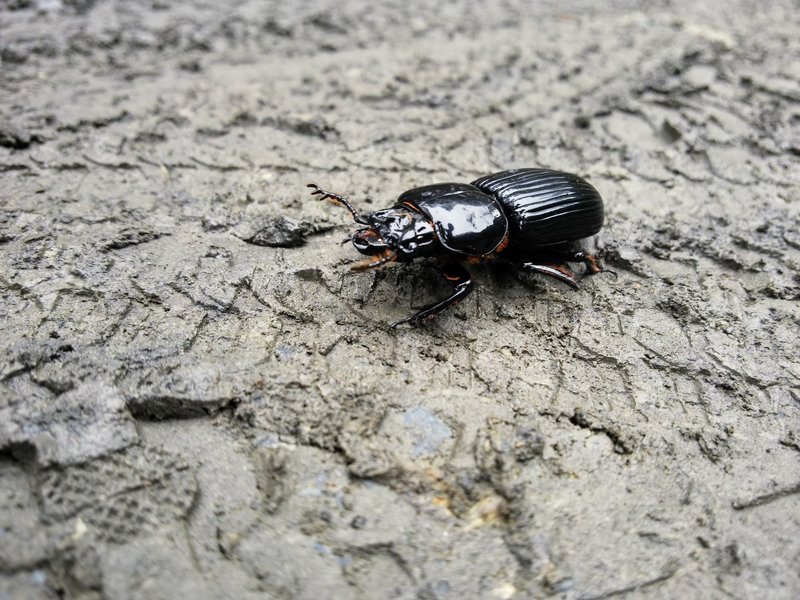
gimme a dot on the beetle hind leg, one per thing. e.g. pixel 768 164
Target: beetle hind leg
pixel 593 265
pixel 556 271
pixel 458 277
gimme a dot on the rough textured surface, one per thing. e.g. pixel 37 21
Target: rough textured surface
pixel 199 399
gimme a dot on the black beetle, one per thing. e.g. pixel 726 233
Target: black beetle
pixel 530 217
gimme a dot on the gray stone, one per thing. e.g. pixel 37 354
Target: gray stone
pixel 121 495
pixel 25 540
pixel 89 421
pixel 281 232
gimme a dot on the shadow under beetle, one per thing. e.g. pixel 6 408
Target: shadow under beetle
pixel 529 217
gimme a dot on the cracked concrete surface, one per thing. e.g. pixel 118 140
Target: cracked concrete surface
pixel 197 398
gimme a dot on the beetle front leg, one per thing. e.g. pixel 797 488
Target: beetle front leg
pixel 460 279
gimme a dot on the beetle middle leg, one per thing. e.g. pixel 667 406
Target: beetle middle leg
pixel 458 277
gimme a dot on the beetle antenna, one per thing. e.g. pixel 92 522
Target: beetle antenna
pixel 337 199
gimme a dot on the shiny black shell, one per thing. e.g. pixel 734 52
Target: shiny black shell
pixel 544 207
pixel 466 220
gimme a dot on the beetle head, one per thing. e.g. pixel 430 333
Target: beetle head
pixel 400 231
pixel 368 241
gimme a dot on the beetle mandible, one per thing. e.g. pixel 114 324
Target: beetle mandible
pixel 530 217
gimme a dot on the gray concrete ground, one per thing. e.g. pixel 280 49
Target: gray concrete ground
pixel 200 400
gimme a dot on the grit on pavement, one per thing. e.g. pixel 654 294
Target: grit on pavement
pixel 199 399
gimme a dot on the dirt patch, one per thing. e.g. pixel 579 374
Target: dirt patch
pixel 199 398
